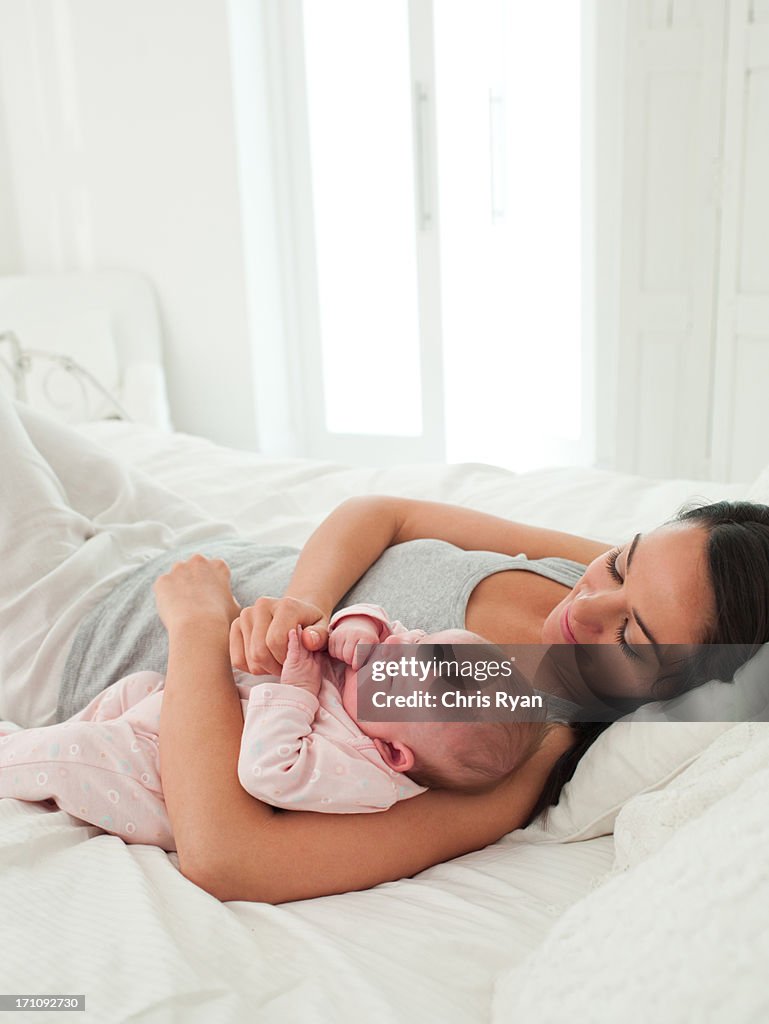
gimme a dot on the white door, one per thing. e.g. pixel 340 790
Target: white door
pixel 741 373
pixel 669 235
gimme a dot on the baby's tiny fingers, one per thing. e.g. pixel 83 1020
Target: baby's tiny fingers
pixel 293 643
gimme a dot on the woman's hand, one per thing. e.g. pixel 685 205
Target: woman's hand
pixel 195 590
pixel 259 636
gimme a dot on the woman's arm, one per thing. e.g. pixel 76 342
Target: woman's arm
pixel 356 533
pixel 352 538
pixel 239 849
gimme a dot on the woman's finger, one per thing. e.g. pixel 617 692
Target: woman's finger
pixel 315 635
pixel 237 648
pixel 261 656
pixel 288 615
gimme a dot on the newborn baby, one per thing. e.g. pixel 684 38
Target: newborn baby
pixel 302 746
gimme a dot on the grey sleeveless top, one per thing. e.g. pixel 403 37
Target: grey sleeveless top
pixel 424 583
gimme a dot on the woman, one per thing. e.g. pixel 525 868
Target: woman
pixel 671 586
pixel 674 585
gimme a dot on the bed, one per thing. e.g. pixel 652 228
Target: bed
pixel 642 897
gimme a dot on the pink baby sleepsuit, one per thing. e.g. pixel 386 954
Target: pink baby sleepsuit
pixel 297 752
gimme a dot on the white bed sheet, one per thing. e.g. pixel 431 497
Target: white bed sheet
pixel 283 500
pixel 82 912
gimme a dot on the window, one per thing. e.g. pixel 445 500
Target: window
pixel 434 165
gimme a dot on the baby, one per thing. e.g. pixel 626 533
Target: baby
pixel 302 745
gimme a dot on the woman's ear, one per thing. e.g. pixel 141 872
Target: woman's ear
pixel 396 755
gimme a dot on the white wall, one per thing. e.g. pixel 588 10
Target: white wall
pixel 257 51
pixel 10 254
pixel 120 152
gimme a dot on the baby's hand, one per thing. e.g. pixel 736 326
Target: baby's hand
pixel 301 667
pixel 351 631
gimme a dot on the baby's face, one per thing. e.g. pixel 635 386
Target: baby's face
pixel 413 733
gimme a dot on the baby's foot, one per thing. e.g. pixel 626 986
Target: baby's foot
pixel 301 667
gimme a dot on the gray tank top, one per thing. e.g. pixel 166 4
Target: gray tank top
pixel 424 583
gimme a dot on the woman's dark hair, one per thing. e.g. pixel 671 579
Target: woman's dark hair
pixel 585 734
pixel 738 565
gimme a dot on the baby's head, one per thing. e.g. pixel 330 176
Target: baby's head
pixel 468 755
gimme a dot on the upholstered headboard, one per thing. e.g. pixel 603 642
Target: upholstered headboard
pixel 84 346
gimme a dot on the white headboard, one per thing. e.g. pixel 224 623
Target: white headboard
pixel 84 346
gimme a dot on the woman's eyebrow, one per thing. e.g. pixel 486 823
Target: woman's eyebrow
pixel 631 552
pixel 636 616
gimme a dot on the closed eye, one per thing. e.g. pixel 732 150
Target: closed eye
pixel 611 565
pixel 625 647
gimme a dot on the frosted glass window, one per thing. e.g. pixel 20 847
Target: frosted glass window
pixel 359 106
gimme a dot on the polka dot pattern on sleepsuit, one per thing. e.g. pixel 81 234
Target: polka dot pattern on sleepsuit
pixel 98 767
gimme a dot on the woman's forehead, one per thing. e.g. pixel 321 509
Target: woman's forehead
pixel 686 544
pixel 669 577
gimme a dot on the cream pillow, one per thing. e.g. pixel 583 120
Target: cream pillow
pixel 631 757
pixel 644 751
pixel 746 699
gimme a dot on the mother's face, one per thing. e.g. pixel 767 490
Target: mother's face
pixel 652 591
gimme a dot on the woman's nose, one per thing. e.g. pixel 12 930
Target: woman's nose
pixel 593 613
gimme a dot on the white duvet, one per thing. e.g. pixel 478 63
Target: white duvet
pixel 678 932
pixel 492 933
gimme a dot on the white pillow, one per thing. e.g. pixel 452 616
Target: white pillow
pixel 644 751
pixel 746 699
pixel 630 758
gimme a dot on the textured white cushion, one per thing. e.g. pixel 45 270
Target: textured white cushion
pixel 681 935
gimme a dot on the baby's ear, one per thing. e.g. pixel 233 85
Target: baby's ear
pixel 396 755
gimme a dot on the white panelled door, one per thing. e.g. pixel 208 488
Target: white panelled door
pixel 694 306
pixel 741 378
pixel 670 218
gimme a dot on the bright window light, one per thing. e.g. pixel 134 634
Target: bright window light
pixel 359 99
pixel 508 86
